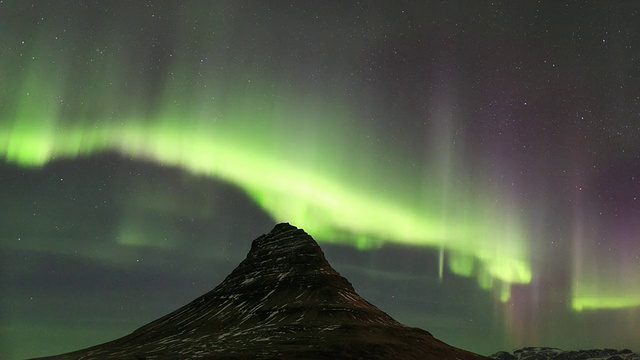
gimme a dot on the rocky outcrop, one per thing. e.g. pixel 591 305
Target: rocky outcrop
pixel 284 301
pixel 547 353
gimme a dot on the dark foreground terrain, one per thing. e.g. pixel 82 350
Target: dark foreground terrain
pixel 547 353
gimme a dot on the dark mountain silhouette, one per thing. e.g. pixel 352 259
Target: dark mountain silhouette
pixel 284 301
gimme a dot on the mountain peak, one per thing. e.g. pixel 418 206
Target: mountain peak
pixel 283 251
pixel 283 242
pixel 288 269
pixel 283 301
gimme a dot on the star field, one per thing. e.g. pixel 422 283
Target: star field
pixel 472 168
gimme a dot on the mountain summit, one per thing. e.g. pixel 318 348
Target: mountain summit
pixel 284 301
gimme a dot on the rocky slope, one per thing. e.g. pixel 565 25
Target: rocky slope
pixel 546 353
pixel 284 301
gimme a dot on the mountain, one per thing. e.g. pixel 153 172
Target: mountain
pixel 546 353
pixel 284 301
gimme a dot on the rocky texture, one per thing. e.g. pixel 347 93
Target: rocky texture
pixel 284 301
pixel 546 353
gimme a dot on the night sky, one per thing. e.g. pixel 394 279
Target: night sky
pixel 472 167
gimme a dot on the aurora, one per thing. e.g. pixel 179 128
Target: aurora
pixel 328 199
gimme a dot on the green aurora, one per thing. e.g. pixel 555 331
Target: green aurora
pixel 333 204
pixel 300 157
